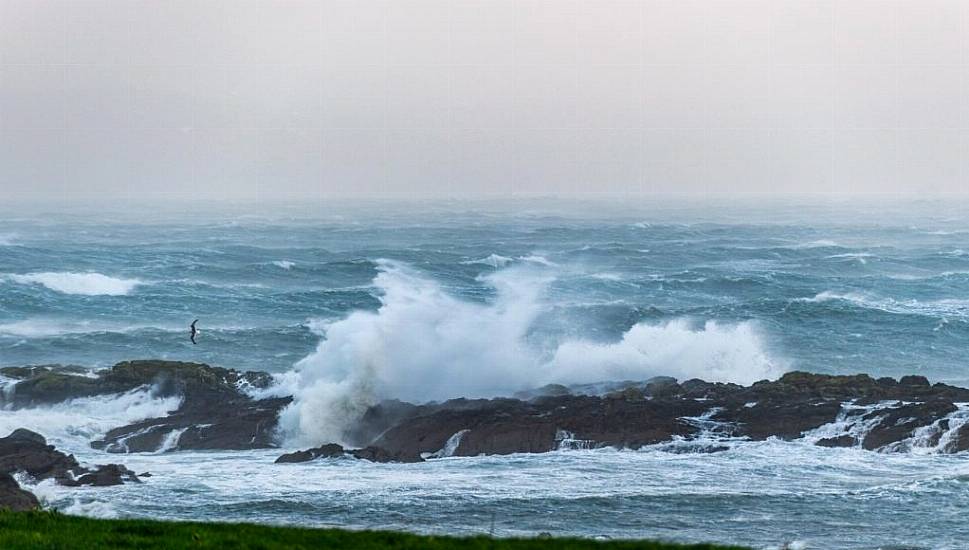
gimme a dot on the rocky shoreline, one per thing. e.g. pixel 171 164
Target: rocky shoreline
pixel 218 410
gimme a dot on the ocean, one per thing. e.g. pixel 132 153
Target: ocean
pixel 429 300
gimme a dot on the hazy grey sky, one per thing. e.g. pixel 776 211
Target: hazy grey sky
pixel 255 99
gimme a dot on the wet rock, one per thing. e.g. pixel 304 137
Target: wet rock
pixel 378 454
pixel 330 450
pixel 28 452
pixel 694 448
pixel 504 426
pixel 959 441
pixel 839 441
pixel 236 423
pixel 47 385
pixel 104 476
pixel 899 423
pixel 776 417
pixel 13 498
pixel 633 415
pixel 215 413
pixel 913 380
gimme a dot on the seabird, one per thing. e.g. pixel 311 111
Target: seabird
pixel 195 331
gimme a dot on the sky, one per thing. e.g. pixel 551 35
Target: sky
pixel 255 99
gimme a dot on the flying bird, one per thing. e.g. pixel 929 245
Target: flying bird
pixel 194 332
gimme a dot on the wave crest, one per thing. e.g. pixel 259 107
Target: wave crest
pixel 84 284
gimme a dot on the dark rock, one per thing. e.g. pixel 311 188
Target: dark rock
pixel 839 441
pixel 662 386
pixel 378 454
pixel 238 423
pixel 695 448
pixel 330 450
pixel 634 415
pixel 13 498
pixel 21 434
pixel 215 413
pixel 777 417
pixel 28 452
pixel 104 476
pixel 898 423
pixel 959 441
pixel 504 426
pixel 51 384
pixel 913 380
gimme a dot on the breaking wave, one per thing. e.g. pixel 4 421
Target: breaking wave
pixel 85 284
pixel 424 344
pixel 71 424
pixel 950 307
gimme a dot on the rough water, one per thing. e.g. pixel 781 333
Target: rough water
pixel 354 301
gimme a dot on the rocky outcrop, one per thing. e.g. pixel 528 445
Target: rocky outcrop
pixel 215 411
pixel 218 413
pixel 13 498
pixel 332 450
pixel 234 423
pixel 694 416
pixel 46 385
pixel 28 452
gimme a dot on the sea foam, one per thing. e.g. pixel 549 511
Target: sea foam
pixel 424 344
pixel 72 424
pixel 85 284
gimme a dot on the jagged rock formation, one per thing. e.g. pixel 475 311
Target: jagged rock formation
pixel 332 450
pixel 215 412
pixel 28 452
pixel 831 411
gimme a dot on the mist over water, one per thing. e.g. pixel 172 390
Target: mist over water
pixel 352 302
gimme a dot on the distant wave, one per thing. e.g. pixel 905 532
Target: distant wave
pixel 493 260
pixel 956 308
pixel 482 350
pixel 284 264
pixel 536 259
pixel 861 257
pixel 40 328
pixel 828 295
pixel 821 243
pixel 7 239
pixel 85 284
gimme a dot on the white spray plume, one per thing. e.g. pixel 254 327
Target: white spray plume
pixel 424 344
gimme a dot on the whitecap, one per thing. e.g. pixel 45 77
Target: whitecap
pixel 284 264
pixel 85 284
pixel 536 259
pixel 820 243
pixel 494 260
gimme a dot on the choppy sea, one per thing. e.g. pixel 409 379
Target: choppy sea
pixel 437 299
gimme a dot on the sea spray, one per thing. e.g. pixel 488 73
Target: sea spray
pixel 424 344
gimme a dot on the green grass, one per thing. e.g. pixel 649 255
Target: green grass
pixel 50 530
